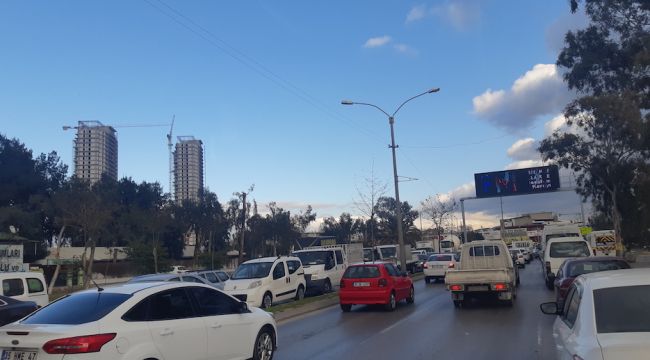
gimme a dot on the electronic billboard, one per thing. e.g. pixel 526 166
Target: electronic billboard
pixel 533 180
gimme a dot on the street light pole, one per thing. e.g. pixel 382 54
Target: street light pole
pixel 391 121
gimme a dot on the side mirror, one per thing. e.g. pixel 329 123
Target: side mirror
pixel 243 307
pixel 550 308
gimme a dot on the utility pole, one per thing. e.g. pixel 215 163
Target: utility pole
pixel 243 223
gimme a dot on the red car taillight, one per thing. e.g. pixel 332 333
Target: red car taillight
pixel 383 283
pixel 426 265
pixel 451 265
pixel 566 283
pixel 456 287
pixel 78 344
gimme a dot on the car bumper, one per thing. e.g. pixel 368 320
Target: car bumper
pixel 252 297
pixel 439 273
pixel 317 284
pixel 367 297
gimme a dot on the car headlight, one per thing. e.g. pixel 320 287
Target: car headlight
pixel 314 276
pixel 255 284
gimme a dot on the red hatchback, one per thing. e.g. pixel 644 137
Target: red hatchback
pixel 374 283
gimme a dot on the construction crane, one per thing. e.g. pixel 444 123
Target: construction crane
pixel 171 157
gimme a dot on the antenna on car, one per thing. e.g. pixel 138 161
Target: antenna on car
pixel 99 288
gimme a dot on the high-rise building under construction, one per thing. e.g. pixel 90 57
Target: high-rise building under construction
pixel 95 151
pixel 188 169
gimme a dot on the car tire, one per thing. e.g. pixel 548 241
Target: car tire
pixel 346 307
pixel 267 300
pixel 327 286
pixel 300 293
pixel 411 298
pixel 392 302
pixel 264 345
pixel 549 284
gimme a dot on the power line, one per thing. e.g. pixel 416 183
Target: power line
pixel 255 65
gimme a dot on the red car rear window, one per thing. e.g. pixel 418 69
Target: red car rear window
pixel 362 272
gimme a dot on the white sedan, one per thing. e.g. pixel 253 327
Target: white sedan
pixel 437 265
pixel 606 316
pixel 143 321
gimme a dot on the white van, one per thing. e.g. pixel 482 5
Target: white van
pixel 266 281
pixel 24 286
pixel 324 267
pixel 559 249
pixel 551 231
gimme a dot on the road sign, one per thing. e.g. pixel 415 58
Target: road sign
pixel 533 180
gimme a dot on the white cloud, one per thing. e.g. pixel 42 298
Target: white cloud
pixel 460 14
pixel 540 91
pixel 524 149
pixel 524 164
pixel 377 41
pixel 405 49
pixel 556 123
pixel 417 12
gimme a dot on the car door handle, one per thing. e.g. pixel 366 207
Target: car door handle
pixel 166 331
pixel 215 326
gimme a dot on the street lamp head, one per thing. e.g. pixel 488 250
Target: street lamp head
pixel 347 102
pixel 433 90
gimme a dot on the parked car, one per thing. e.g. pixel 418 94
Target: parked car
pixel 559 249
pixel 572 268
pixel 179 269
pixel 143 321
pixel 486 270
pixel 518 257
pixel 437 266
pixel 375 283
pixel 12 309
pixel 605 316
pixel 25 286
pixel 216 278
pixel 169 277
pixel 323 265
pixel 266 281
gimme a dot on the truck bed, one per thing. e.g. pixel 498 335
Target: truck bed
pixel 478 276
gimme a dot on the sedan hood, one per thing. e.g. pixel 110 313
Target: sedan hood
pixel 629 346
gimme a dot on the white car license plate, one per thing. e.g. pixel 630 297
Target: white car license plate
pixel 359 284
pixel 18 355
pixel 478 288
pixel 438 266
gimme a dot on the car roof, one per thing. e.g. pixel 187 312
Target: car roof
pixel 566 239
pixel 156 277
pixel 271 259
pixel 616 278
pixel 132 288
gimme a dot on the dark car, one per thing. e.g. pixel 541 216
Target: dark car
pixel 12 309
pixel 572 268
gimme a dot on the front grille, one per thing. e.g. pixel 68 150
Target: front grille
pixel 241 297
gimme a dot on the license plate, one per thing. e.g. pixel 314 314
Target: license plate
pixel 438 266
pixel 18 355
pixel 478 288
pixel 359 284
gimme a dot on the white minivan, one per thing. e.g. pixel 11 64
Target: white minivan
pixel 266 281
pixel 324 267
pixel 559 249
pixel 24 286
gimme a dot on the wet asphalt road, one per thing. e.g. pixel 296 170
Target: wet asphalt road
pixel 429 329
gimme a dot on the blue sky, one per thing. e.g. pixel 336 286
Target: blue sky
pixel 261 82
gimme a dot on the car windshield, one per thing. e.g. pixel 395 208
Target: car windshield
pixel 388 252
pixel 585 267
pixel 77 309
pixel 569 249
pixel 440 258
pixel 446 244
pixel 361 272
pixel 622 309
pixel 559 235
pixel 313 257
pixel 252 270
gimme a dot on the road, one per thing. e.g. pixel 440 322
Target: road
pixel 431 328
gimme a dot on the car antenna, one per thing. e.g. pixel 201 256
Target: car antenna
pixel 99 288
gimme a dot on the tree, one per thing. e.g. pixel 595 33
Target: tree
pixel 607 65
pixel 367 198
pixel 439 211
pixel 386 210
pixel 343 228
